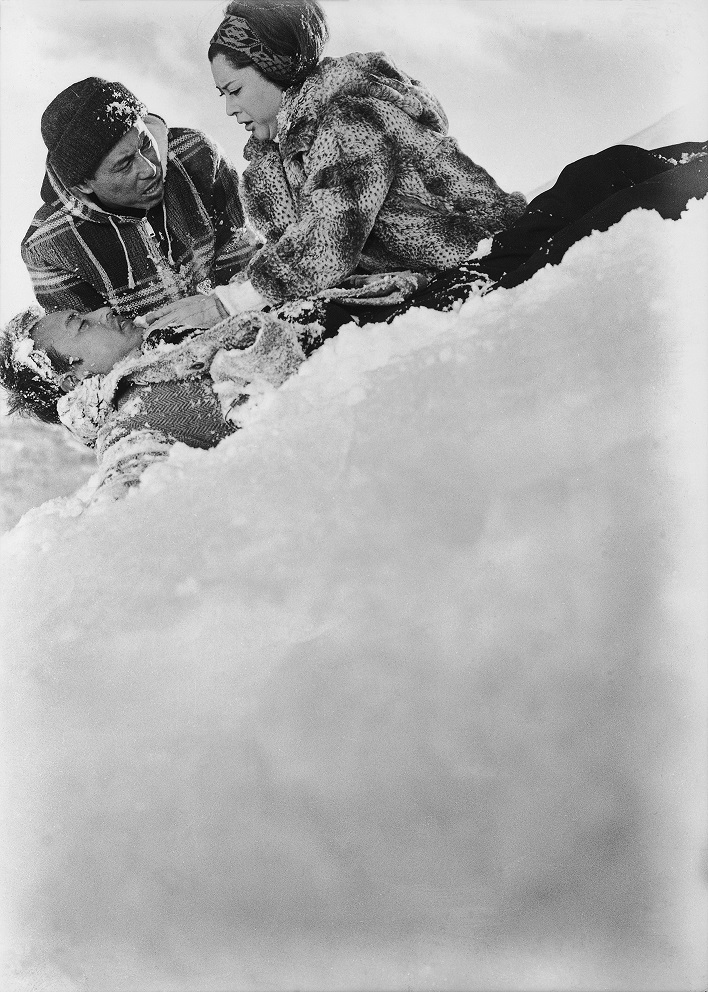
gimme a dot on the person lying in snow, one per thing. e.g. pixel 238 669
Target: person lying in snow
pixel 351 169
pixel 132 392
pixel 173 396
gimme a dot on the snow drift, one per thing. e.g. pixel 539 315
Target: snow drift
pixel 37 462
pixel 401 686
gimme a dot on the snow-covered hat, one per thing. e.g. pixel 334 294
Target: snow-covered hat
pixel 83 123
pixel 19 334
pixel 27 372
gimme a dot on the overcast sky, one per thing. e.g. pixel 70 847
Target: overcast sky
pixel 528 85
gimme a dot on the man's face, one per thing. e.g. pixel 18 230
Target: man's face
pixel 95 341
pixel 130 175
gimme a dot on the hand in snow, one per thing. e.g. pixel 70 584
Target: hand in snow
pixel 194 311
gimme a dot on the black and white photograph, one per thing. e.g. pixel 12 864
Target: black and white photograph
pixel 354 496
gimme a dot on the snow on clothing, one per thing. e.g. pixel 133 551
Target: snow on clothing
pixel 135 413
pixel 187 390
pixel 590 195
pixel 80 256
pixel 364 178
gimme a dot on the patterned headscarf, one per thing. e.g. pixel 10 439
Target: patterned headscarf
pixel 235 32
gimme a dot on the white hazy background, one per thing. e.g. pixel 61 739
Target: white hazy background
pixel 404 685
pixel 528 86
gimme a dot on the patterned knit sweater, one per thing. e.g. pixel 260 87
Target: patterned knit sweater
pixel 364 179
pixel 82 257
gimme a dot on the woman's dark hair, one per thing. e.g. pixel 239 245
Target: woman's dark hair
pixel 295 28
pixel 28 394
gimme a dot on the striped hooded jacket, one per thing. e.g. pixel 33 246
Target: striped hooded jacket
pixel 364 178
pixel 80 256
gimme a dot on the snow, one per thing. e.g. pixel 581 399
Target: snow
pixel 690 118
pixel 402 686
pixel 37 462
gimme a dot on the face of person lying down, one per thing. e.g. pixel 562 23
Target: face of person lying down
pixel 91 343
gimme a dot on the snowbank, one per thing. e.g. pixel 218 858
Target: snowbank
pixel 400 687
pixel 37 462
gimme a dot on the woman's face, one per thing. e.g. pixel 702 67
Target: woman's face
pixel 251 98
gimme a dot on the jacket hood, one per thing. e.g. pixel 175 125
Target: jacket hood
pixel 81 205
pixel 371 75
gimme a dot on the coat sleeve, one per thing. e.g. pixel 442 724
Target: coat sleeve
pixel 124 452
pixel 349 169
pixel 58 288
pixel 235 240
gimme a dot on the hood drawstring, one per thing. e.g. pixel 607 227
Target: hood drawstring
pixel 170 259
pixel 85 247
pixel 131 281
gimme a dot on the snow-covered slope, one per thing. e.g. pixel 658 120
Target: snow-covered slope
pixel 688 122
pixel 403 685
pixel 37 462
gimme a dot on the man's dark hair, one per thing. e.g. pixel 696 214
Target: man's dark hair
pixel 28 394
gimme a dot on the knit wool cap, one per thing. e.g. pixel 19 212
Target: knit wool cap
pixel 83 123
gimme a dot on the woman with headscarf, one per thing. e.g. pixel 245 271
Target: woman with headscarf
pixel 365 202
pixel 351 171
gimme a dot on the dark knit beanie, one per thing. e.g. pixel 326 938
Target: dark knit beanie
pixel 83 123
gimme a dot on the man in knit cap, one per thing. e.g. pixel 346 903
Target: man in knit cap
pixel 136 215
